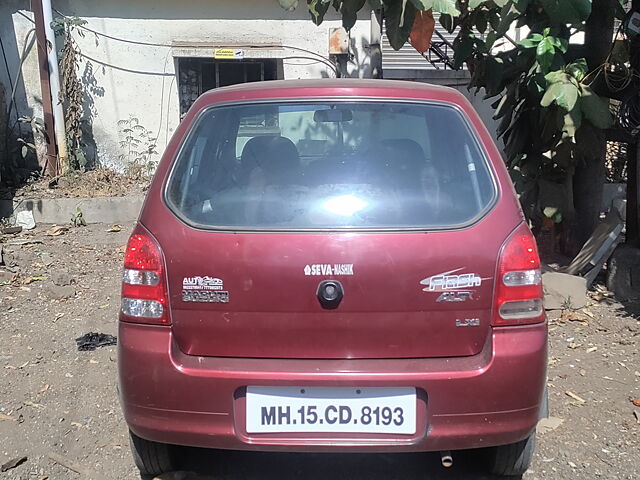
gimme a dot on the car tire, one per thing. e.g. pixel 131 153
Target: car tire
pixel 152 458
pixel 513 459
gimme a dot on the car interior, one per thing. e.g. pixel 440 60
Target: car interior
pixel 272 184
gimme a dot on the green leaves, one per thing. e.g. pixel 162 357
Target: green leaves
pixel 547 48
pixel 476 3
pixel 562 90
pixel 317 10
pixel 494 66
pixel 506 17
pixel 595 108
pixel 577 69
pixel 545 51
pixel 447 7
pixel 288 5
pixel 549 120
pixel 399 17
pixel 578 101
pixel 463 48
pixel 562 12
pixel 531 41
pixel 572 121
pixel 399 14
pixel 620 12
pixel 447 23
pixel 349 11
pixel 522 5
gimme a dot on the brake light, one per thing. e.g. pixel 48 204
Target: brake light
pixel 518 297
pixel 144 286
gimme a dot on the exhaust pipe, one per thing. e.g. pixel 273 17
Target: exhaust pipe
pixel 446 459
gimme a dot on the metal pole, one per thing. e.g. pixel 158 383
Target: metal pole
pixel 51 164
pixel 58 112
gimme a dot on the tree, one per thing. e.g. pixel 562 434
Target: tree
pixel 550 100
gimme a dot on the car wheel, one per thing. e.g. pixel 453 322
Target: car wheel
pixel 151 458
pixel 513 459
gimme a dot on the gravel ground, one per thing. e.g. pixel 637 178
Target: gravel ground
pixel 59 408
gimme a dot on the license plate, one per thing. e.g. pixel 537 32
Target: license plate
pixel 331 409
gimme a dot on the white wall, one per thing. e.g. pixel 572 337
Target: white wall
pixel 126 79
pixel 15 29
pixel 140 80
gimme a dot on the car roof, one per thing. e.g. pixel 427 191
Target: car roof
pixel 333 86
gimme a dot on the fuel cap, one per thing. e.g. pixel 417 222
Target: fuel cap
pixel 330 294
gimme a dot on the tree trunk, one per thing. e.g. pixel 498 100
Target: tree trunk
pixel 589 176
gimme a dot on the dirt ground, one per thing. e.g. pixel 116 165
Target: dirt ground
pixel 59 407
pixel 100 182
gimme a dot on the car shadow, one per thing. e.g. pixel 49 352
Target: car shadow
pixel 233 465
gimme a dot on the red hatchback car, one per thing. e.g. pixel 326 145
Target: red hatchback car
pixel 332 265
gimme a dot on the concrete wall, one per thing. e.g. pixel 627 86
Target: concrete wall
pixel 18 40
pixel 454 79
pixel 128 79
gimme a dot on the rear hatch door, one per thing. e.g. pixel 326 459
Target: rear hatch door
pixel 405 295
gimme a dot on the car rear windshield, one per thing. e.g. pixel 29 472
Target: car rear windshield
pixel 340 165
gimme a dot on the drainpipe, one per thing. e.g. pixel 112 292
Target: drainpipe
pixel 51 164
pixel 58 112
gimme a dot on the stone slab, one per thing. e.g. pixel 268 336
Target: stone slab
pixel 94 210
pixel 562 290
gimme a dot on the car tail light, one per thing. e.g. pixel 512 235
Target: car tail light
pixel 144 284
pixel 518 298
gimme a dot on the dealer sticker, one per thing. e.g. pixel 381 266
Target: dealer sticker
pixel 202 283
pixel 326 269
pixel 204 289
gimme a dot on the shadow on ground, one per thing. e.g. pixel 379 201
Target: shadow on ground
pixel 631 308
pixel 222 465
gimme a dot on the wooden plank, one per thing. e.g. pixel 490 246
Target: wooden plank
pixel 50 163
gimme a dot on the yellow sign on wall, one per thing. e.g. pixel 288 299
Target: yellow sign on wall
pixel 228 54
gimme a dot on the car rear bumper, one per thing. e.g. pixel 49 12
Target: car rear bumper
pixel 491 398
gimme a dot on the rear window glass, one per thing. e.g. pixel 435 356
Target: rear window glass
pixel 330 166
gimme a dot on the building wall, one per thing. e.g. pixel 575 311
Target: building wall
pixel 129 79
pixel 18 41
pixel 453 79
pixel 137 78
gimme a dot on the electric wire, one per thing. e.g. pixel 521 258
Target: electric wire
pixel 125 69
pixel 618 77
pixel 316 58
pixel 615 81
pixel 319 57
pixel 168 45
